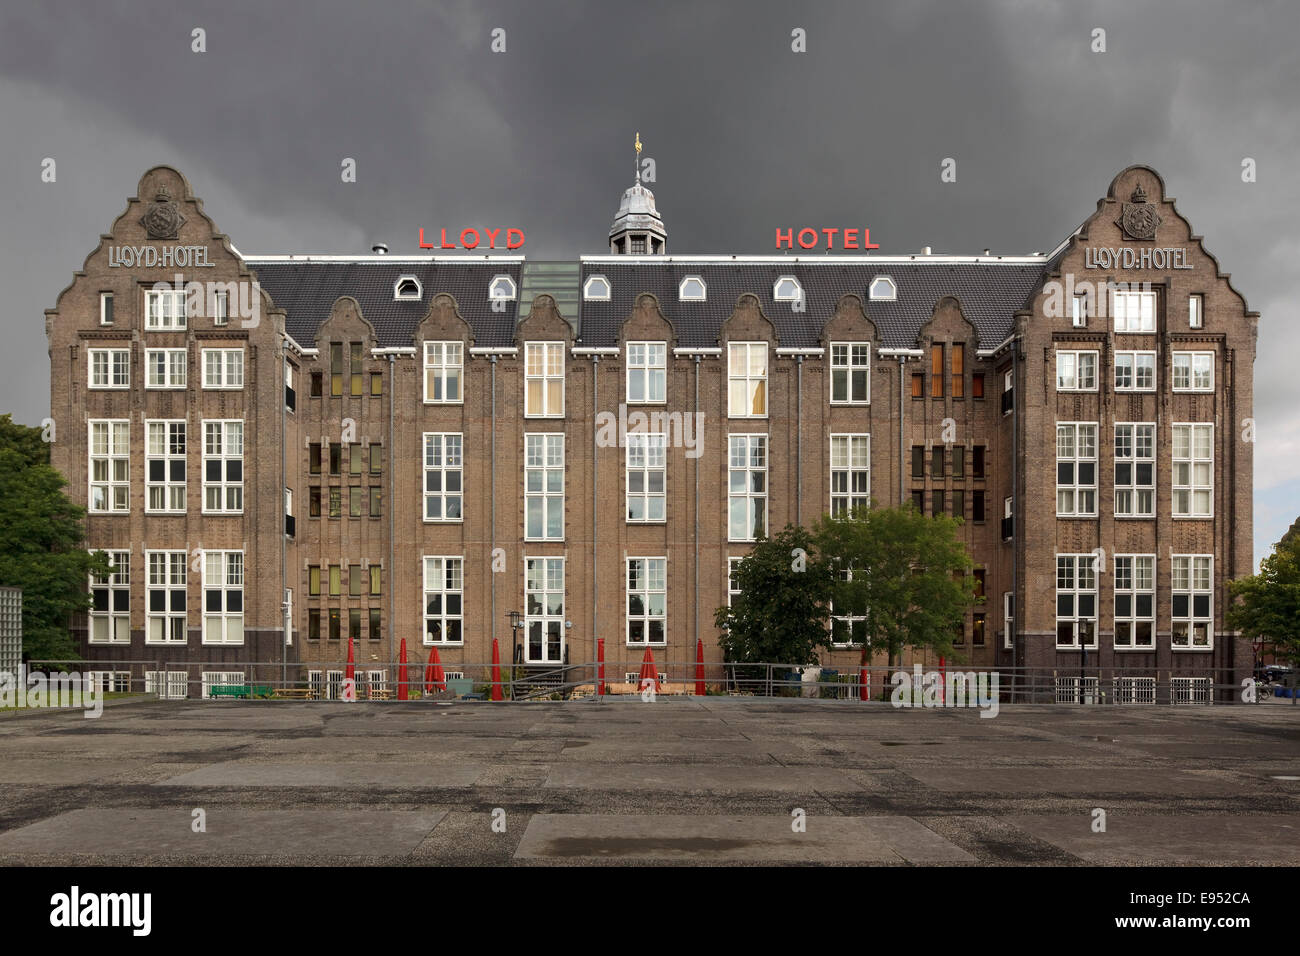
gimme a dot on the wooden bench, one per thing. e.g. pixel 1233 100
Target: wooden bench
pixel 296 693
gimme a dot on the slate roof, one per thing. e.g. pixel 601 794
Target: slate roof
pixel 990 292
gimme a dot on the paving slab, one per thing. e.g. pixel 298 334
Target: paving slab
pixel 735 838
pixel 705 777
pixel 343 774
pixel 1171 838
pixel 1073 781
pixel 168 832
pixel 69 771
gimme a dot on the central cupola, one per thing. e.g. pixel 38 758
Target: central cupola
pixel 638 229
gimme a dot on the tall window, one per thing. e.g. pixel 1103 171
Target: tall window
pixel 1193 371
pixel 1076 600
pixel 1076 469
pixel 733 579
pixel 336 368
pixel 109 368
pixel 747 379
pixel 1076 371
pixel 165 368
pixel 443 594
pixel 223 467
pixel 110 476
pixel 1193 601
pixel 544 610
pixel 958 370
pixel 544 487
pixel 110 595
pixel 647 372
pixel 747 487
pixel 647 600
pixel 164 310
pixel 1135 371
pixel 850 373
pixel 850 472
pixel 164 466
pixel 165 619
pixel 1135 601
pixel 1135 470
pixel 106 308
pixel 443 368
pixel 1196 312
pixel 849 617
pixel 1193 471
pixel 647 468
pixel 544 379
pixel 223 368
pixel 442 476
pixel 1134 311
pixel 936 371
pixel 223 597
pixel 355 360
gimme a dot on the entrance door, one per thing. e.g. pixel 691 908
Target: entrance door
pixel 544 617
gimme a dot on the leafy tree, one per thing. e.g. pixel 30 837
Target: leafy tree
pixel 780 614
pixel 1266 606
pixel 41 543
pixel 910 572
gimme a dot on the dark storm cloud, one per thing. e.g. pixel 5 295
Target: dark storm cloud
pixel 746 134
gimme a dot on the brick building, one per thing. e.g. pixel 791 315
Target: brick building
pixel 396 447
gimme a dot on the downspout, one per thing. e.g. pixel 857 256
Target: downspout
pixel 595 464
pixel 1016 475
pixel 798 459
pixel 392 507
pixel 284 483
pixel 492 533
pixel 699 439
pixel 902 450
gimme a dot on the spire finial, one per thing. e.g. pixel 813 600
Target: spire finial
pixel 638 157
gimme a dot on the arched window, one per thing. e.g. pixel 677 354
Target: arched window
pixel 406 287
pixel 691 289
pixel 882 287
pixel 787 289
pixel 502 287
pixel 597 289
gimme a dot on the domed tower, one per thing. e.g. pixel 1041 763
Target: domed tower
pixel 638 229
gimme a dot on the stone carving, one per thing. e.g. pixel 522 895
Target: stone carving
pixel 1139 218
pixel 163 219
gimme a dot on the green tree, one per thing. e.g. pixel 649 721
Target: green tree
pixel 780 614
pixel 41 543
pixel 910 572
pixel 1266 606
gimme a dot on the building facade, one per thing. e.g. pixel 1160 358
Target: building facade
pixel 287 451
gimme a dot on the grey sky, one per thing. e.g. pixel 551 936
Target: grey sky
pixel 746 135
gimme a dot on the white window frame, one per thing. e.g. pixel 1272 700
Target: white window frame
pixel 1194 366
pixel 540 370
pixel 589 289
pixel 160 436
pixel 444 457
pixel 1137 362
pixel 779 296
pixel 847 358
pixel 1134 577
pixel 846 468
pixel 1008 620
pixel 444 365
pixel 647 364
pixel 1078 462
pixel 221 307
pixel 646 458
pixel 114 485
pixel 1079 316
pixel 223 577
pixel 108 369
pixel 882 296
pixel 444 580
pixel 1076 570
pixel 507 296
pixel 228 450
pixel 105 298
pixel 1135 446
pixel 546 619
pixel 223 369
pixel 1191 576
pixel 1073 380
pixel 543 485
pixel 400 296
pixel 1196 311
pixel 165 310
pixel 1121 307
pixel 1185 480
pixel 741 447
pixel 646 579
pixel 744 386
pixel 114 620
pixel 111 682
pixel 687 289
pixel 845 574
pixel 174 372
pixel 733 562
pixel 168 685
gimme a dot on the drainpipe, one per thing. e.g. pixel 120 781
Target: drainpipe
pixel 1017 395
pixel 699 439
pixel 284 483
pixel 798 459
pixel 902 449
pixel 595 464
pixel 392 507
pixel 492 534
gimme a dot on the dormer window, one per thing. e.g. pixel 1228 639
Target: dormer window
pixel 502 287
pixel 787 289
pixel 883 288
pixel 597 289
pixel 691 289
pixel 407 287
